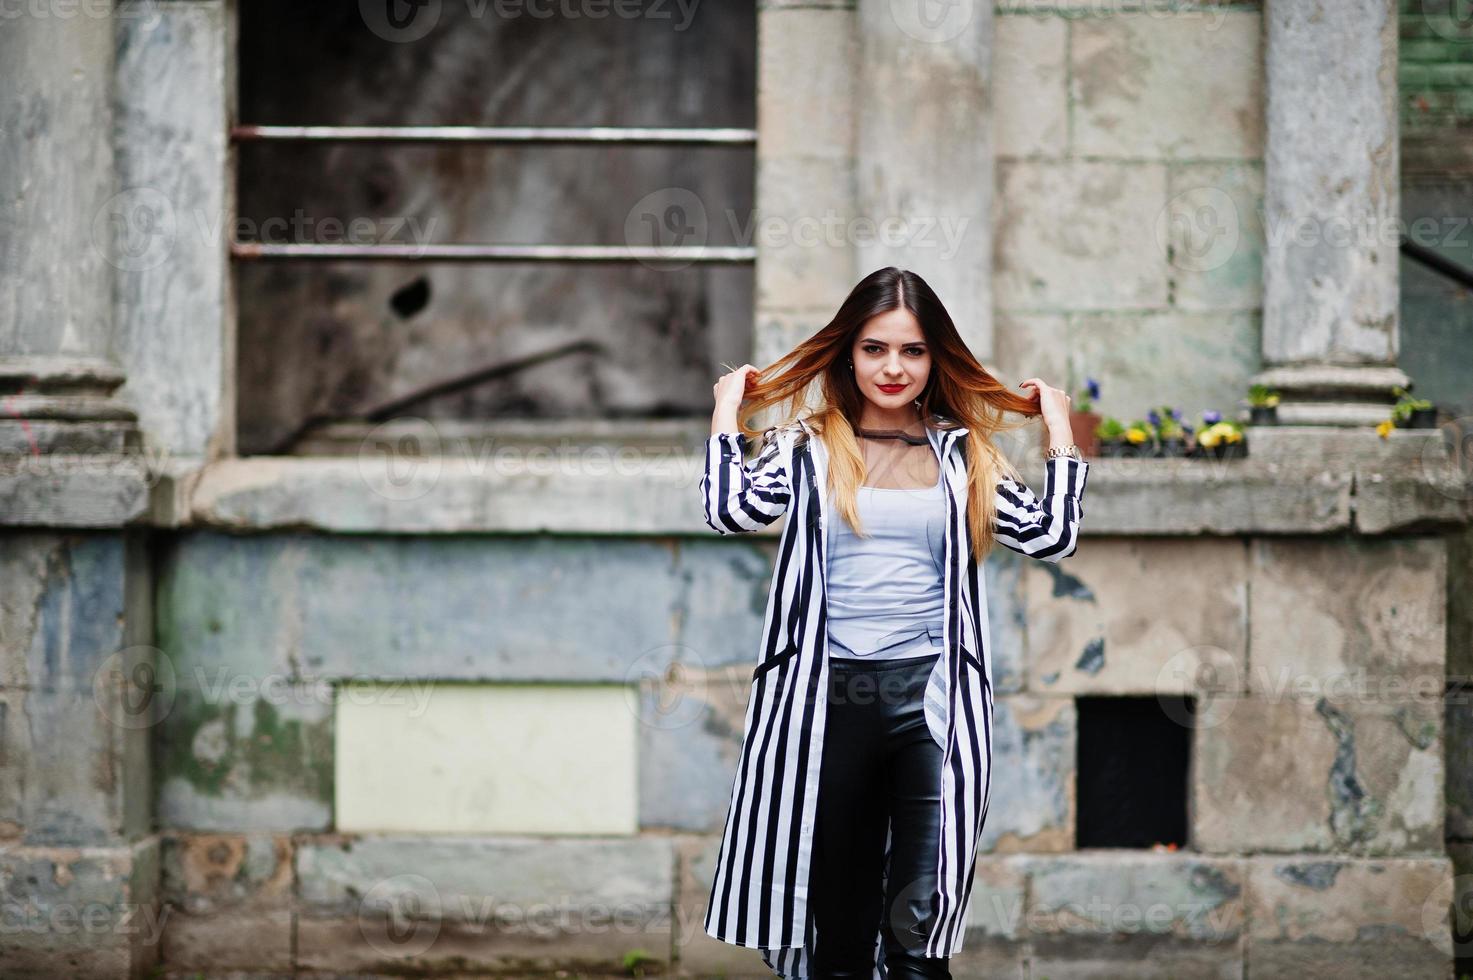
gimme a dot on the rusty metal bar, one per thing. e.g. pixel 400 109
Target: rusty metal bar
pixel 566 135
pixel 735 254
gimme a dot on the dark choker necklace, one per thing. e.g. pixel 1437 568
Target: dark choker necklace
pixel 900 434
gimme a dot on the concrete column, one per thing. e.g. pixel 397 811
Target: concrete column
pixel 924 154
pixel 805 169
pixel 1332 201
pixel 58 364
pixel 874 148
pixel 175 317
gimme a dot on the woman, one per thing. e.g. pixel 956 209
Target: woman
pixel 864 777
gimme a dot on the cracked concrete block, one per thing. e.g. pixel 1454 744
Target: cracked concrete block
pixel 1140 616
pixel 1349 919
pixel 81 911
pixel 231 901
pixel 70 768
pixel 1032 345
pixel 999 898
pixel 279 606
pixel 1033 768
pixel 818 45
pixel 475 903
pixel 1177 87
pixel 1079 235
pixel 1217 239
pixel 804 228
pixel 690 730
pixel 1031 73
pixel 1007 612
pixel 1350 617
pixel 700 954
pixel 247 755
pixel 1166 916
pixel 1313 775
pixel 63 611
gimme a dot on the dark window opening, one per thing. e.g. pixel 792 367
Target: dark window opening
pixel 1133 756
pixel 528 324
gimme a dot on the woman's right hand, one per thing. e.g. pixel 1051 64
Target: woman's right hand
pixel 729 391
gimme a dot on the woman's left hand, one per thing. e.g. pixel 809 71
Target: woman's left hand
pixel 1053 403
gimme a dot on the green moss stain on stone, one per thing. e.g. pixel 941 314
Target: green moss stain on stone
pixel 252 747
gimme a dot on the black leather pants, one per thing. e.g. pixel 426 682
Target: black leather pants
pixel 879 762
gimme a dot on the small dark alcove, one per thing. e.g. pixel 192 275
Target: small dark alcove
pixel 1133 756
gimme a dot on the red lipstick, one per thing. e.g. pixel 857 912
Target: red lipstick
pixel 891 389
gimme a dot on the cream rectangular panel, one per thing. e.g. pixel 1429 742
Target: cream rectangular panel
pixel 485 758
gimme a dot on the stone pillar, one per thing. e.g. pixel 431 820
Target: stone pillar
pixel 858 178
pixel 175 316
pixel 924 154
pixel 58 364
pixel 1332 202
pixel 805 170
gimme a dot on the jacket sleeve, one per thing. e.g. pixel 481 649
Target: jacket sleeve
pixel 1046 529
pixel 737 496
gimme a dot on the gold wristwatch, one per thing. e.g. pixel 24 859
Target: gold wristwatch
pixel 1056 451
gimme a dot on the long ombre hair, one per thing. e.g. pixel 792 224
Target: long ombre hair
pixel 959 389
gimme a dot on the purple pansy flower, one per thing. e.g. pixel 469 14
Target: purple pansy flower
pixel 1212 416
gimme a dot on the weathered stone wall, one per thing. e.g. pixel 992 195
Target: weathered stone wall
pixel 1128 230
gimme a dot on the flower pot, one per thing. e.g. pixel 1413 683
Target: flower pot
pixel 1136 450
pixel 1230 450
pixel 1112 449
pixel 1423 418
pixel 1175 446
pixel 1083 424
pixel 1263 415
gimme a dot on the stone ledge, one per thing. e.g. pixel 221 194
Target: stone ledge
pixel 1298 479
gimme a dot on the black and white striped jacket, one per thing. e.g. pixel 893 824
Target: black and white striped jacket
pixel 759 893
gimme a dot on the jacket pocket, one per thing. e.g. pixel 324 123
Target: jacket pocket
pixel 776 660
